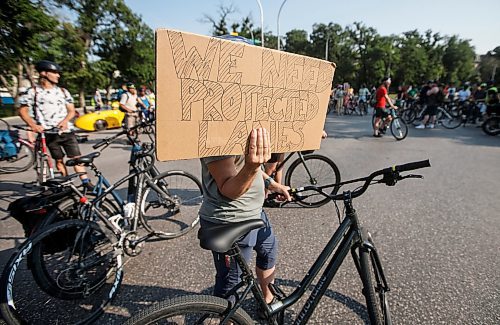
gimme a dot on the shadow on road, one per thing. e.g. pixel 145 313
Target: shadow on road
pixel 132 299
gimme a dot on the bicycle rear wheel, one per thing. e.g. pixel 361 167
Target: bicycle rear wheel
pixel 200 309
pixel 24 159
pixel 172 211
pixel 399 129
pixel 315 170
pixel 85 268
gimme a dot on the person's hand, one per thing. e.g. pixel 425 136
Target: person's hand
pixel 63 125
pixel 37 128
pixel 276 187
pixel 395 107
pixel 324 135
pixel 259 150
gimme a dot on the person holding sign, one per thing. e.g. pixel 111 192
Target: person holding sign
pixel 234 191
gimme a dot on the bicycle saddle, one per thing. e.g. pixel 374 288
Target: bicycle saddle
pixel 85 160
pixel 60 180
pixel 220 237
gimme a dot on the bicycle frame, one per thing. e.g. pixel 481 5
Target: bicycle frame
pixel 347 237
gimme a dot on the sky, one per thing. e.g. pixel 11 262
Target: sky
pixel 477 21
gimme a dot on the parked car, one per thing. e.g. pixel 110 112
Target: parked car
pixel 100 120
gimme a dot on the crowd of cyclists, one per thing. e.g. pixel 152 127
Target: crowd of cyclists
pixel 477 100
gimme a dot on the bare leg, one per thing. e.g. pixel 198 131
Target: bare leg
pixel 376 125
pixel 265 277
pixel 61 167
pixel 81 169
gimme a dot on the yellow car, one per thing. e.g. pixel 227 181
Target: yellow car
pixel 100 120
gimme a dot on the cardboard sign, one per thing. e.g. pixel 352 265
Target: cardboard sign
pixel 211 92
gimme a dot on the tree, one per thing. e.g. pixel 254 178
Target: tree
pixel 489 66
pixel 24 25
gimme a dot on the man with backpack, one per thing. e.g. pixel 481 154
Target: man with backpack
pixel 47 106
pixel 128 105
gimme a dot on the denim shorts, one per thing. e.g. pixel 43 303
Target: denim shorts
pixel 262 241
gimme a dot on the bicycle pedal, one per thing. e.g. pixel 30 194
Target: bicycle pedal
pixel 276 291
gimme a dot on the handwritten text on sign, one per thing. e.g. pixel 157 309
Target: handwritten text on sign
pixel 222 89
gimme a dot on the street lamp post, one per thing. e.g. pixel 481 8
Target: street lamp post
pixel 278 24
pixel 326 47
pixel 261 23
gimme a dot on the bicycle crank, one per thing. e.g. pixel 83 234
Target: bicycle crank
pixel 131 245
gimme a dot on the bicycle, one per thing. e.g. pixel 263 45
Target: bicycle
pixel 24 157
pixel 349 237
pixel 78 264
pixel 309 169
pixel 43 164
pixel 398 126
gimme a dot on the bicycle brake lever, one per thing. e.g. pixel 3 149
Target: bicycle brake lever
pixel 413 176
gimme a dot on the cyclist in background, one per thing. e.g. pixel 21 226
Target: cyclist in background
pixel 381 114
pixel 47 106
pixel 435 96
pixel 492 99
pixel 364 95
pixel 128 105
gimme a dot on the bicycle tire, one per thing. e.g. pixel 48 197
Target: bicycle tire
pixel 449 121
pixel 376 299
pixel 491 126
pixel 92 273
pixel 184 306
pixel 299 177
pixel 399 129
pixel 409 115
pixel 175 212
pixel 24 159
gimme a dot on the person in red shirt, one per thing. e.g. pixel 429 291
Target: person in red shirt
pixel 382 97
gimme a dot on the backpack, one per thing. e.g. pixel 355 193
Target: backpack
pixel 8 148
pixel 120 106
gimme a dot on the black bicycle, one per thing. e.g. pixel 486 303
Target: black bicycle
pixel 310 169
pixel 349 237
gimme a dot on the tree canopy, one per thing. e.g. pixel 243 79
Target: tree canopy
pixel 105 44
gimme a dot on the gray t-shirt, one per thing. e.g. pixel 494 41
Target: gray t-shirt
pixel 217 208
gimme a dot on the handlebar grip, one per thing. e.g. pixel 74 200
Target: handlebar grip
pixel 413 165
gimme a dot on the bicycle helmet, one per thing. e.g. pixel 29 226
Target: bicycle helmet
pixel 46 65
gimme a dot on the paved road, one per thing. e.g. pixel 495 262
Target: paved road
pixel 438 237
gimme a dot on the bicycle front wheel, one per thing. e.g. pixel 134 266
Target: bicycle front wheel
pixel 85 270
pixel 190 310
pixel 374 286
pixel 314 170
pixel 171 210
pixel 399 129
pixel 448 120
pixel 24 159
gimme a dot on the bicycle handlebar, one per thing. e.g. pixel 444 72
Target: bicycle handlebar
pixel 390 178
